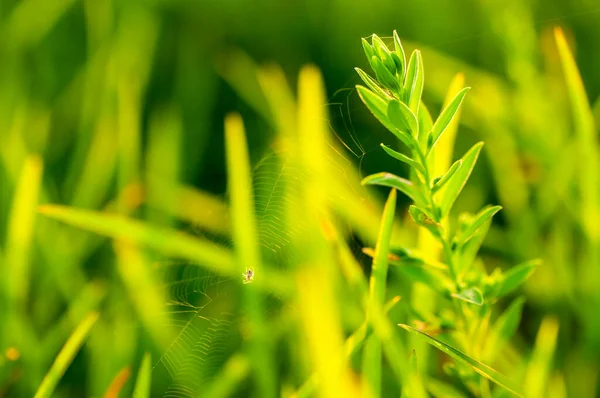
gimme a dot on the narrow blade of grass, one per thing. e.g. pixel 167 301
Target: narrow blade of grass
pixel 371 366
pixel 540 364
pixel 144 378
pixel 66 355
pixel 477 366
pixel 247 251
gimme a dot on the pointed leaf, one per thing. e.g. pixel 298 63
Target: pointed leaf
pixel 516 276
pixel 477 366
pixel 446 177
pixel 456 183
pixel 402 117
pixel 369 51
pixel 393 181
pixel 143 381
pixel 413 84
pixel 425 220
pixel 504 328
pixel 378 108
pixel 447 115
pixel 384 76
pixel 384 54
pixel 372 84
pixel 472 296
pixel 481 218
pixel 425 125
pixel 401 55
pixel 403 158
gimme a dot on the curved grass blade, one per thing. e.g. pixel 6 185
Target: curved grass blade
pixel 459 179
pixel 401 55
pixel 164 240
pixel 66 355
pixel 393 181
pixel 477 366
pixel 446 116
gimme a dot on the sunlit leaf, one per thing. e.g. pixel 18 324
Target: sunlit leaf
pixel 400 52
pixel 393 181
pixel 403 158
pixel 516 276
pixel 456 183
pixel 413 84
pixel 446 116
pixel 477 366
pixel 504 328
pixel 481 218
pixel 472 296
pixel 143 380
pixel 446 177
pixel 372 84
pixel 378 108
pixel 402 117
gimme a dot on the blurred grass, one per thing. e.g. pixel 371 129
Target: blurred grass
pixel 111 117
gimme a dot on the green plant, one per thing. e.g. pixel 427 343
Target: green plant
pixel 461 280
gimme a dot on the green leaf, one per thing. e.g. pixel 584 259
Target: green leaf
pixel 504 328
pixel 480 219
pixel 440 389
pixel 378 108
pixel 516 276
pixel 446 177
pixel 425 125
pixel 414 388
pixel 425 220
pixel 372 84
pixel 66 355
pixel 403 158
pixel 436 280
pixel 477 366
pixel 402 117
pixel 472 296
pixel 456 183
pixel 413 84
pixel 446 116
pixel 384 54
pixel 393 181
pixel 143 381
pixel 400 53
pixel 383 74
pixel 369 51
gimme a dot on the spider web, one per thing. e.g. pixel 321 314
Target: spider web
pixel 204 307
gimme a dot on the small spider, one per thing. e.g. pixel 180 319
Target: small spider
pixel 248 275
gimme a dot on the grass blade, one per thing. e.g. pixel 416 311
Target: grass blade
pixel 540 364
pixel 144 378
pixel 66 355
pixel 247 250
pixel 477 366
pixel 504 328
pixel 371 366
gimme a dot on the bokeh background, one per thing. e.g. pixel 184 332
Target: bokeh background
pixel 108 92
